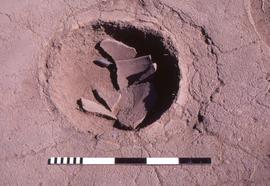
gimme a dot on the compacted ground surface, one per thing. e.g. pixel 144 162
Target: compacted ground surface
pixel 212 82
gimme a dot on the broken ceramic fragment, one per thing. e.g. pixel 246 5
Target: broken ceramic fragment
pixel 109 100
pixel 103 62
pixel 136 102
pixel 117 50
pixel 134 70
pixel 90 106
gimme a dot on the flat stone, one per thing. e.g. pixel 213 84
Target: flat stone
pixel 136 102
pixel 117 50
pixel 90 106
pixel 134 70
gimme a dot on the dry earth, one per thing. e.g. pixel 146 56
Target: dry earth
pixel 221 109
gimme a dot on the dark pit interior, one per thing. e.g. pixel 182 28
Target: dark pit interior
pixel 148 41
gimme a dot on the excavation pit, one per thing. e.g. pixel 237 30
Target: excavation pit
pixel 72 73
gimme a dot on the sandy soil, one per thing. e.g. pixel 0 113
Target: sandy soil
pixel 220 109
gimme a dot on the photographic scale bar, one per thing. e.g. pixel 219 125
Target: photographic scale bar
pixel 119 161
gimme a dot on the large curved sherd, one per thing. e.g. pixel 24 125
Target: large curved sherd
pixel 117 50
pixel 95 108
pixel 136 102
pixel 134 70
pixel 109 100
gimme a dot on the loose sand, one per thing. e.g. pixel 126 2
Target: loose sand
pixel 213 81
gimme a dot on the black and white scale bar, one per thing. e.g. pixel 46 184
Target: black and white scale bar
pixel 115 161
